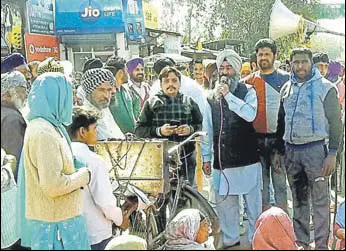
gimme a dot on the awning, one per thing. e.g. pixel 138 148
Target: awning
pixel 179 59
pixel 105 39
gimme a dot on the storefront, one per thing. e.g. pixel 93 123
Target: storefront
pixel 89 29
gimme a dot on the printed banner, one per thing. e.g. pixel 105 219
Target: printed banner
pixel 85 17
pixel 41 16
pixel 11 27
pixel 151 16
pixel 40 47
pixel 134 21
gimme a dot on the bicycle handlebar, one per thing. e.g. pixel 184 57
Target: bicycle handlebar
pixel 194 135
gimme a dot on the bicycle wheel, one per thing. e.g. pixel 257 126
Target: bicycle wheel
pixel 144 225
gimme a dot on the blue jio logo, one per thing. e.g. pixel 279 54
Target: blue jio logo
pixel 90 11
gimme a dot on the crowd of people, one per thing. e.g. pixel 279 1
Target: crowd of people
pixel 267 123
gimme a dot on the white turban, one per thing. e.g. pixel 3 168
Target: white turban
pixel 232 58
pixel 128 242
pixel 12 79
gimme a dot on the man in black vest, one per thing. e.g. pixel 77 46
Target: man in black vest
pixel 236 167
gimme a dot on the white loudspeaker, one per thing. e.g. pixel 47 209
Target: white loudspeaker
pixel 283 21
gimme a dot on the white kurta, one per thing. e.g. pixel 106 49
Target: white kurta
pixel 99 204
pixel 107 128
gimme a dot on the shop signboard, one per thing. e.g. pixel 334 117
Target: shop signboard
pixel 151 16
pixel 134 21
pixel 40 47
pixel 41 16
pixel 88 17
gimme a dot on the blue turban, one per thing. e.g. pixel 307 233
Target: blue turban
pixel 12 61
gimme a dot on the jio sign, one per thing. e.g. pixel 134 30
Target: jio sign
pixel 90 13
pixel 86 17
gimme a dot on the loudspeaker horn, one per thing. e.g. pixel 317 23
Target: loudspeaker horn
pixel 284 22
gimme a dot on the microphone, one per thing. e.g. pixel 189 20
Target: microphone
pixel 223 80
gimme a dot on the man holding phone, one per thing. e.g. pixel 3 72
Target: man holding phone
pixel 172 115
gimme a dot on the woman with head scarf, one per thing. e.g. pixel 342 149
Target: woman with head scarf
pixel 189 230
pixel 53 205
pixel 274 231
pixel 339 228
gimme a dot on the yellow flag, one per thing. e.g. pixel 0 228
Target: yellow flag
pixel 199 46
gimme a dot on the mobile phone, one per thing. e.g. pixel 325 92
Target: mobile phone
pixel 174 123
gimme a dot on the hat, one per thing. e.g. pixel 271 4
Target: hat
pixel 12 61
pixel 129 242
pixel 112 69
pixel 93 78
pixel 320 58
pixel 12 79
pixel 232 58
pixel 93 63
pixel 49 65
pixel 133 63
pixel 246 67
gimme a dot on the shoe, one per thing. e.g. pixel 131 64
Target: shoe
pixel 303 245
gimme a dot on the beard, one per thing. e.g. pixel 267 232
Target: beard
pixel 233 82
pixel 266 64
pixel 137 78
pixel 99 105
pixel 19 104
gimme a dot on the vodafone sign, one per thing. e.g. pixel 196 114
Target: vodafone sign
pixel 40 47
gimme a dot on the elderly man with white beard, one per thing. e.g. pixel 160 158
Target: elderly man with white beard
pixel 13 125
pixel 236 168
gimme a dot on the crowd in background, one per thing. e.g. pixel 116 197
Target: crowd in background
pixel 269 124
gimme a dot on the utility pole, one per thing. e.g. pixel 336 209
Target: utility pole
pixel 190 23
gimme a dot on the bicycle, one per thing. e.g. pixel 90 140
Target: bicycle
pixel 150 223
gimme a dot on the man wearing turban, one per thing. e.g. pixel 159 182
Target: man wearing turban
pixel 237 168
pixel 13 125
pixel 98 85
pixel 16 62
pixel 140 90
